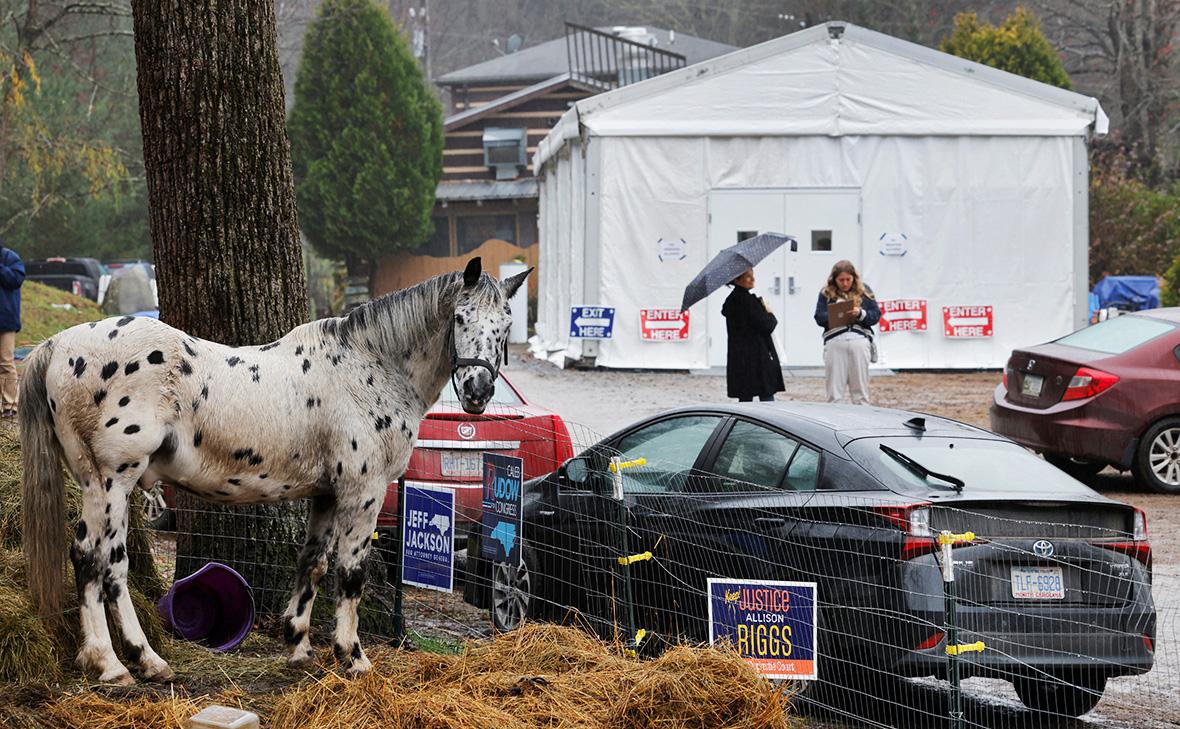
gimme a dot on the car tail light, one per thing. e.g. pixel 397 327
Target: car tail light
pixel 1088 382
pixel 1139 547
pixel 563 445
pixel 1004 378
pixel 76 288
pixel 934 639
pixel 914 522
pixel 1148 643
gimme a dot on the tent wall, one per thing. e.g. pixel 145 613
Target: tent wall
pixel 996 221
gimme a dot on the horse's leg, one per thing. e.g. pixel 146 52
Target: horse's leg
pixel 312 564
pixel 356 517
pixel 90 553
pixel 136 650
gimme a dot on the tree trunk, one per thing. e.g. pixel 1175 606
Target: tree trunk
pixel 224 230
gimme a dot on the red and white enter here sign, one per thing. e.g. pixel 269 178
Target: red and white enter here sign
pixel 902 315
pixel 966 322
pixel 663 325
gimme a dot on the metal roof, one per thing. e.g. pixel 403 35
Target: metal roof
pixel 549 59
pixel 487 190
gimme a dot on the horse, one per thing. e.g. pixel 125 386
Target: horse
pixel 329 412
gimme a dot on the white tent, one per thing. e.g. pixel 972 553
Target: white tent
pixel 959 191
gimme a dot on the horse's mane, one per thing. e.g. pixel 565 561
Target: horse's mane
pixel 410 317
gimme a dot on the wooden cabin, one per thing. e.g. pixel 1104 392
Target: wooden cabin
pixel 486 202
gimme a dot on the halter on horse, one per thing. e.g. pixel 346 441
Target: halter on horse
pixel 329 412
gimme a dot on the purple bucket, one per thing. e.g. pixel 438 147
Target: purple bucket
pixel 212 606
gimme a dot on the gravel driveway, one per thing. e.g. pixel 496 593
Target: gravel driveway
pixel 597 402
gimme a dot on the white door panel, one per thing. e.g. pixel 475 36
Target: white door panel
pixel 826 223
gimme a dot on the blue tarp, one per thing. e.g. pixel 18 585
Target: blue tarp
pixel 1129 293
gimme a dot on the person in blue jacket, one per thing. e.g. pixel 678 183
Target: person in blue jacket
pixel 12 275
pixel 848 349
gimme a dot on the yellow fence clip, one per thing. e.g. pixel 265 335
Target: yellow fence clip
pixel 374 536
pixel 948 538
pixel 639 636
pixel 628 464
pixel 634 558
pixel 954 650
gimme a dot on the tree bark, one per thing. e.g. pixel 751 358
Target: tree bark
pixel 224 230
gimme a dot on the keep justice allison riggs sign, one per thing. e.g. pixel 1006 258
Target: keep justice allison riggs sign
pixel 770 624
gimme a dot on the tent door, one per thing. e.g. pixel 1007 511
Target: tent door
pixel 735 215
pixel 826 222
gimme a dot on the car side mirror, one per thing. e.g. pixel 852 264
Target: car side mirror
pixel 575 473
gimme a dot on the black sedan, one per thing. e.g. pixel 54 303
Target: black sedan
pixel 1057 583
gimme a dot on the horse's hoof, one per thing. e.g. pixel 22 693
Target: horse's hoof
pixel 119 677
pixel 359 667
pixel 301 660
pixel 160 674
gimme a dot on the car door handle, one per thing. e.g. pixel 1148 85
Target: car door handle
pixel 770 522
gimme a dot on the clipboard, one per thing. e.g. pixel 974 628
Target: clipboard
pixel 840 314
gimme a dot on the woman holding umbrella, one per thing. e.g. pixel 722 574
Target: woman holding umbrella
pixel 752 367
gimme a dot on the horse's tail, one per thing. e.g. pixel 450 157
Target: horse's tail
pixel 43 498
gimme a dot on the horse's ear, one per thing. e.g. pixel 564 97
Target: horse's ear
pixel 471 273
pixel 512 283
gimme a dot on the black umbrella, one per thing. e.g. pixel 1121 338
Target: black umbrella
pixel 731 263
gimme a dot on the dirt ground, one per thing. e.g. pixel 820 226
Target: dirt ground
pixel 597 402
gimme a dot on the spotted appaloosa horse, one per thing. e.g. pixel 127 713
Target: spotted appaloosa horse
pixel 329 412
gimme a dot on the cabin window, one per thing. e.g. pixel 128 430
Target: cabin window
pixel 439 243
pixel 473 231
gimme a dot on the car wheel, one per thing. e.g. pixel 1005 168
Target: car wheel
pixel 512 593
pixel 1056 696
pixel 1080 469
pixel 156 514
pixel 1157 461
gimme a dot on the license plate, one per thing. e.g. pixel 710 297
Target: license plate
pixel 1038 583
pixel 462 464
pixel 1031 385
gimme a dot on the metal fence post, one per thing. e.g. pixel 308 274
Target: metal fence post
pixel 947 540
pixel 399 619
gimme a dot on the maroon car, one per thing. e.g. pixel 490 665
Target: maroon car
pixel 1108 394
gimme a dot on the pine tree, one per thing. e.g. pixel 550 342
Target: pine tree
pixel 366 137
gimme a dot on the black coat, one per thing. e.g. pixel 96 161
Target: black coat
pixel 751 368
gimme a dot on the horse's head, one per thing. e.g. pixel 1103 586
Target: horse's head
pixel 480 332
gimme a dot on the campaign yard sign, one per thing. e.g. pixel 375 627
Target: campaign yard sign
pixel 770 624
pixel 967 322
pixel 428 555
pixel 592 322
pixel 902 315
pixel 663 325
pixel 502 479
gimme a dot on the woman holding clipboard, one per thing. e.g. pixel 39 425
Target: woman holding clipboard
pixel 847 311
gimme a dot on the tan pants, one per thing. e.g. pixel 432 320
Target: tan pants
pixel 7 370
pixel 846 364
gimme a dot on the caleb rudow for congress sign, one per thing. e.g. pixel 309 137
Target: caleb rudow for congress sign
pixel 770 624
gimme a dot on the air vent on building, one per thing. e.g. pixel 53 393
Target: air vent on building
pixel 506 150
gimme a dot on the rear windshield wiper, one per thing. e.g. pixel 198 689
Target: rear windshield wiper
pixel 920 470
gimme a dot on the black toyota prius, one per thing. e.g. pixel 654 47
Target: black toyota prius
pixel 1056 584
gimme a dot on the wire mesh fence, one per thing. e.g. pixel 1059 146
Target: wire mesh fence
pixel 1041 606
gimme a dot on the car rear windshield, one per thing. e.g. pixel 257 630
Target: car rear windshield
pixel 982 465
pixel 1115 336
pixel 55 268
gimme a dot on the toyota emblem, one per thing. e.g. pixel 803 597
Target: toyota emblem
pixel 467 432
pixel 1043 548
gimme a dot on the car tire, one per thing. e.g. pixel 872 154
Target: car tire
pixel 156 514
pixel 511 598
pixel 1082 470
pixel 1157 460
pixel 1057 696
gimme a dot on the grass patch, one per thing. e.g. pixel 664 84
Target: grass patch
pixel 43 313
